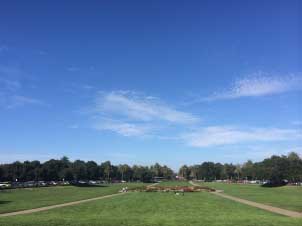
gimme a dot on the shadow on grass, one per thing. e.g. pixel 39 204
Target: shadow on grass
pixel 4 202
pixel 274 184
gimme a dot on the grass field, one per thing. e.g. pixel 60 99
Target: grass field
pixel 146 209
pixel 21 199
pixel 286 197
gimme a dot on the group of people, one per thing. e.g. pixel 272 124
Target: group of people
pixel 125 189
pixel 182 192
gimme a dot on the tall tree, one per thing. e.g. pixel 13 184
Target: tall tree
pixel 107 169
pixel 184 172
pixel 80 170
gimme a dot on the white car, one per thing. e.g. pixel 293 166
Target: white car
pixel 4 185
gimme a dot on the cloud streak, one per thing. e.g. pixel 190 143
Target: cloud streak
pixel 11 89
pixel 9 85
pixel 224 135
pixel 124 128
pixel 259 84
pixel 18 101
pixel 142 108
pixel 131 114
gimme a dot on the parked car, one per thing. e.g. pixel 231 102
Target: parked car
pixel 52 183
pixel 5 185
pixel 41 183
pixel 275 183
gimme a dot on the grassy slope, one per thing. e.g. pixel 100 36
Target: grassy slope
pixel 286 197
pixel 20 199
pixel 146 209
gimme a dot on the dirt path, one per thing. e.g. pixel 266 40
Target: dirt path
pixel 151 185
pixel 57 206
pixel 273 209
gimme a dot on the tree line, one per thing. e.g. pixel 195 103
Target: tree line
pixel 276 168
pixel 64 169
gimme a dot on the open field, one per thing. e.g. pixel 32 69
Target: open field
pixel 155 209
pixel 286 197
pixel 28 198
pixel 144 208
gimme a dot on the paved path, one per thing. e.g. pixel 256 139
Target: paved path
pixel 273 209
pixel 57 206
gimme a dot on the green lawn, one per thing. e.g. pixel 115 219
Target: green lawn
pixel 287 197
pixel 20 199
pixel 155 209
pixel 174 183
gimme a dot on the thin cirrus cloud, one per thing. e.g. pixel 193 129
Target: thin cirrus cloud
pixel 133 114
pixel 124 128
pixel 9 85
pixel 11 89
pixel 18 101
pixel 259 84
pixel 10 97
pixel 142 108
pixel 224 135
pixel 73 69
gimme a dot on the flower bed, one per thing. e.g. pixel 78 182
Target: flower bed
pixel 174 189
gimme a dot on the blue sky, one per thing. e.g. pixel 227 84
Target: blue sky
pixel 139 82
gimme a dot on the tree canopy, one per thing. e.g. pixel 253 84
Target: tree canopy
pixel 275 168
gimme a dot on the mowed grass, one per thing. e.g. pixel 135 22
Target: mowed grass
pixel 174 183
pixel 28 198
pixel 156 209
pixel 287 197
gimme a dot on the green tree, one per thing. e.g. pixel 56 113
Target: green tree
pixel 92 170
pixel 107 169
pixel 184 172
pixel 79 170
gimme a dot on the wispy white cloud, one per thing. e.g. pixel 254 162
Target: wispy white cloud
pixel 9 97
pixel 18 101
pixel 259 84
pixel 88 87
pixel 9 85
pixel 142 108
pixel 133 114
pixel 11 89
pixel 124 128
pixel 75 88
pixel 224 135
pixel 72 68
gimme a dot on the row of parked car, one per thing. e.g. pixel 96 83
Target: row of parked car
pixel 28 184
pixel 260 182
